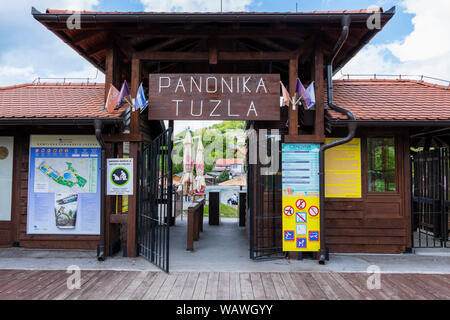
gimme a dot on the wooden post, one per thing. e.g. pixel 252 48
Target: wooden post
pixel 293 114
pixel 134 154
pixel 319 128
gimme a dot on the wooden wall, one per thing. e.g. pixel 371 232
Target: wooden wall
pixel 378 222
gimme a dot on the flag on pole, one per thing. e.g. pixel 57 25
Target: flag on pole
pixel 111 100
pixel 286 97
pixel 140 101
pixel 124 94
pixel 300 89
pixel 312 95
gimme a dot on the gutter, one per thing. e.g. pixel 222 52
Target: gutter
pixel 346 20
pixel 184 17
pixel 98 134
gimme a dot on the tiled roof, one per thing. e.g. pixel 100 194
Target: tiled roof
pixel 392 100
pixel 228 162
pixel 50 100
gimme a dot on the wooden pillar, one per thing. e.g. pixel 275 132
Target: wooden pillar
pixel 134 154
pixel 293 114
pixel 319 86
pixel 110 69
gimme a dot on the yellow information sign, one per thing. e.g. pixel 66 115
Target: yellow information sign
pixel 301 202
pixel 343 170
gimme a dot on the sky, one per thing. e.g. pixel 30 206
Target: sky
pixel 414 42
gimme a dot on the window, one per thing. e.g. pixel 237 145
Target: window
pixel 381 164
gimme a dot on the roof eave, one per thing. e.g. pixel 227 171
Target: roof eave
pixel 58 121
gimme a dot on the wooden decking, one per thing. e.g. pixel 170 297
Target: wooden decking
pixel 37 285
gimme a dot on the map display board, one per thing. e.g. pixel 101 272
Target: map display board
pixel 64 185
pixel 301 202
pixel 343 170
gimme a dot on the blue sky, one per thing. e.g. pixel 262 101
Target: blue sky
pixel 408 44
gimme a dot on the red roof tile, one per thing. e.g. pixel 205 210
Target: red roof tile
pixel 392 100
pixel 228 162
pixel 50 100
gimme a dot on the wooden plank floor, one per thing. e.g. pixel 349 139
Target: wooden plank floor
pixel 122 285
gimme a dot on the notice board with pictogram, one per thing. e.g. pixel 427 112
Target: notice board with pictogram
pixel 301 202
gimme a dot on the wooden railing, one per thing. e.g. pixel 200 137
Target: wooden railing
pixel 195 223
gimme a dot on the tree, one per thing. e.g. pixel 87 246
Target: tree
pixel 224 176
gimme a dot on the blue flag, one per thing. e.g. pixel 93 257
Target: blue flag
pixel 140 102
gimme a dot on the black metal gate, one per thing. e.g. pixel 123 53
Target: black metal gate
pixel 264 204
pixel 430 198
pixel 155 200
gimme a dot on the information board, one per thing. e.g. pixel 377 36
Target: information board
pixel 343 170
pixel 301 202
pixel 64 185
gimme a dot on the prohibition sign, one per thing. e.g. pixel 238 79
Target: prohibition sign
pixel 289 211
pixel 301 204
pixel 313 211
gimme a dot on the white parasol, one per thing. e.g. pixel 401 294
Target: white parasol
pixel 187 180
pixel 200 184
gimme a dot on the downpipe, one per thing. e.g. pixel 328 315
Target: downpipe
pixel 346 20
pixel 98 134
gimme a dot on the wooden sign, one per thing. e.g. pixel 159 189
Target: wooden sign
pixel 214 97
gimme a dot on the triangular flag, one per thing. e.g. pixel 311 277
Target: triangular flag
pixel 140 101
pixel 312 95
pixel 299 88
pixel 111 100
pixel 286 97
pixel 124 93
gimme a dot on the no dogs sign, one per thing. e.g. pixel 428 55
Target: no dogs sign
pixel 119 176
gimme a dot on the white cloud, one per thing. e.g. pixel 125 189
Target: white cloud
pixel 32 51
pixel 195 5
pixel 15 75
pixel 425 51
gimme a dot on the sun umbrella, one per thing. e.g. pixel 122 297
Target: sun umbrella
pixel 200 184
pixel 188 165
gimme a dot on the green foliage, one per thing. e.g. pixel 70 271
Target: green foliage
pixel 224 176
pixel 224 140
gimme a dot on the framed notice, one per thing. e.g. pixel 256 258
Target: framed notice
pixel 119 174
pixel 343 170
pixel 64 185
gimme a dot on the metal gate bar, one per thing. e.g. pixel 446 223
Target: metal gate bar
pixel 430 197
pixel 155 201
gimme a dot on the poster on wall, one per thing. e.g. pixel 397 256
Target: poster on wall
pixel 343 170
pixel 6 173
pixel 301 202
pixel 64 185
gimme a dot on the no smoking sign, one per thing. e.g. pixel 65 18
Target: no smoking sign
pixel 301 204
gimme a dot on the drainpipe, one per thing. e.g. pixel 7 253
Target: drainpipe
pixel 346 20
pixel 98 134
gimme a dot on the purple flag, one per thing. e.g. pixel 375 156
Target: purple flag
pixel 124 92
pixel 300 89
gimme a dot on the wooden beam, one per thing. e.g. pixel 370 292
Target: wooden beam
pixel 110 58
pixel 319 87
pixel 213 54
pixel 293 113
pixel 204 56
pixel 84 36
pixel 271 44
